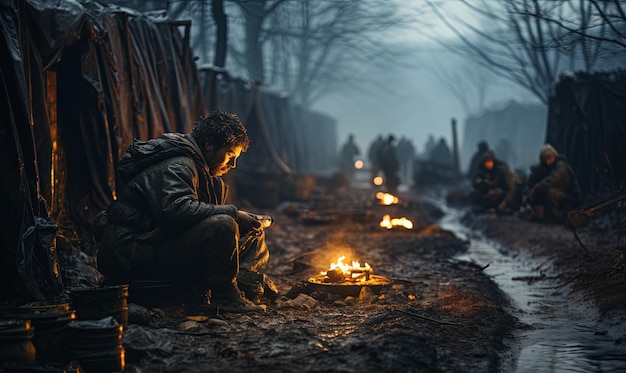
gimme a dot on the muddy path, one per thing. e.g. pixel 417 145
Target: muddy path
pixel 448 308
pixel 440 314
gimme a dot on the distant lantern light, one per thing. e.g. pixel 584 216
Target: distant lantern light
pixel 378 180
pixel 358 164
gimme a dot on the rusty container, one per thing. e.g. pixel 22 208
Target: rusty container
pixel 96 345
pixel 95 303
pixel 16 345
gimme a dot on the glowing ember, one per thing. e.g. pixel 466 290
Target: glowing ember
pixel 387 199
pixel 358 164
pixel 341 271
pixel 389 223
pixel 378 180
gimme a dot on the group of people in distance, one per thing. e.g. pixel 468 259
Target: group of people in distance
pixel 546 195
pixel 393 159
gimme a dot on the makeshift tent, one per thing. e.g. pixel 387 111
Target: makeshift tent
pixel 289 144
pixel 79 81
pixel 302 139
pixel 523 125
pixel 587 123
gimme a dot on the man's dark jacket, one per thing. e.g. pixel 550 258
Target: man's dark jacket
pixel 499 177
pixel 164 188
pixel 559 175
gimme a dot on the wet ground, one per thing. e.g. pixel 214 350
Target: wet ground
pixel 439 314
pixel 469 292
pixel 565 329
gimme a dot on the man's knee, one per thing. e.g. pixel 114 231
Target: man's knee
pixel 555 197
pixel 217 227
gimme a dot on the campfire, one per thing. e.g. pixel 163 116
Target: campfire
pixel 341 271
pixel 390 223
pixel 348 279
pixel 387 198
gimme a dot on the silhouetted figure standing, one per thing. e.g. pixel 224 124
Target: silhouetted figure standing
pixel 373 156
pixel 389 164
pixel 406 152
pixel 349 151
pixel 441 154
pixel 429 146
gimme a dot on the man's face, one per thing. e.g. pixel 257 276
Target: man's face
pixel 489 164
pixel 550 159
pixel 221 160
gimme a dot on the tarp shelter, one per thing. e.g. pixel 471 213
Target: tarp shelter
pixel 79 82
pixel 587 123
pixel 289 143
pixel 524 125
pixel 302 139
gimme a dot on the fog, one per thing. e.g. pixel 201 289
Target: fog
pixel 412 101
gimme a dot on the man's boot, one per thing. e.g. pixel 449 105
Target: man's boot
pixel 234 301
pixel 256 285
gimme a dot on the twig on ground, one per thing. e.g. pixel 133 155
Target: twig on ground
pixel 426 318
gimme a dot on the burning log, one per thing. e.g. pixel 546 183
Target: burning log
pixel 387 198
pixel 340 271
pixel 389 223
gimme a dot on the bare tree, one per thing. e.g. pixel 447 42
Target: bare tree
pixel 468 84
pixel 308 47
pixel 525 41
pixel 255 12
pixel 598 30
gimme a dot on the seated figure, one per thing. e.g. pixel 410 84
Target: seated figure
pixel 552 187
pixel 496 186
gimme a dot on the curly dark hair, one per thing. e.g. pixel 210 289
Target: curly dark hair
pixel 221 129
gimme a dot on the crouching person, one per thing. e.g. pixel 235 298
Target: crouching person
pixel 170 220
pixel 552 188
pixel 496 186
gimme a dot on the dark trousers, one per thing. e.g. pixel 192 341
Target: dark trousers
pixel 210 254
pixel 553 202
pixel 489 199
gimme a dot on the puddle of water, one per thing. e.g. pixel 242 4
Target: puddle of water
pixel 563 337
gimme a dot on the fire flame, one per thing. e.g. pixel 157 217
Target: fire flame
pixel 378 180
pixel 389 223
pixel 353 272
pixel 358 164
pixel 387 199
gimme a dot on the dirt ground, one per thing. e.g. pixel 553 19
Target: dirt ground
pixel 438 314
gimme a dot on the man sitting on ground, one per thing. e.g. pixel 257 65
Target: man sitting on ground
pixel 170 220
pixel 552 187
pixel 496 186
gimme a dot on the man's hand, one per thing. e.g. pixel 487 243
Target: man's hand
pixel 247 223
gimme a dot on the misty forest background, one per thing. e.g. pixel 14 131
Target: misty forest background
pixel 400 67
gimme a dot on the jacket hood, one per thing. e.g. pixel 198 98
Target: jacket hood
pixel 142 154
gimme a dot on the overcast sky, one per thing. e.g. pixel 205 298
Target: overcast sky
pixel 414 102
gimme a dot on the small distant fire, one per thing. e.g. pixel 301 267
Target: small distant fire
pixel 358 164
pixel 378 181
pixel 341 271
pixel 389 223
pixel 387 199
